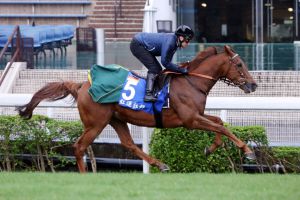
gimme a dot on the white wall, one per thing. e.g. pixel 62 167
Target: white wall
pixel 159 10
pixel 11 76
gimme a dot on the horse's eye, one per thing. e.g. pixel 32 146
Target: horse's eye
pixel 240 65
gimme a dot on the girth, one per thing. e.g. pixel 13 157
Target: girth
pixel 161 80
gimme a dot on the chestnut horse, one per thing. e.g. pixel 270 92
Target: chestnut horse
pixel 188 94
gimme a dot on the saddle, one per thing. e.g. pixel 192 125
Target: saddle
pixel 161 80
pixel 113 83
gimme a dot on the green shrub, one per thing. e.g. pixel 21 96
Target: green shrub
pixel 289 157
pixel 45 139
pixel 183 150
pixel 10 142
pixel 40 137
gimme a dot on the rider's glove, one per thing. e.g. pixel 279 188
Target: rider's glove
pixel 182 70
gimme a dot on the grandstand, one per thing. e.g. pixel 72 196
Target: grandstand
pixel 121 19
pixel 42 35
pixel 72 12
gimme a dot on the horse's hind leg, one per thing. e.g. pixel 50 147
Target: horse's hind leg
pixel 94 117
pixel 87 137
pixel 218 137
pixel 126 140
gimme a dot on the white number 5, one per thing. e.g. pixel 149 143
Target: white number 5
pixel 128 87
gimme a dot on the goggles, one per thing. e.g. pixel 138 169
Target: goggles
pixel 187 39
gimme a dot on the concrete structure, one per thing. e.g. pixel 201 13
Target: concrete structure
pixel 74 12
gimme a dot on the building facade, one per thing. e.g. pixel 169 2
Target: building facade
pixel 259 21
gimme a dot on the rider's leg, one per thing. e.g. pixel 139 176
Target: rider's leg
pixel 150 96
pixel 150 63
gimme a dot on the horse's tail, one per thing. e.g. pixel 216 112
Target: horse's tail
pixel 50 92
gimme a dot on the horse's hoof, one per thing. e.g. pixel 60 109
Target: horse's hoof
pixel 207 151
pixel 250 156
pixel 164 168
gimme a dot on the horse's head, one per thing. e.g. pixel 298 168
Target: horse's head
pixel 236 72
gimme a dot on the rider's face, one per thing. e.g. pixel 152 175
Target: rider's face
pixel 184 41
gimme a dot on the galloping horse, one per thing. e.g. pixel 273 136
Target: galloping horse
pixel 188 94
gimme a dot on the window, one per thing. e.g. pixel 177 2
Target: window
pixel 240 21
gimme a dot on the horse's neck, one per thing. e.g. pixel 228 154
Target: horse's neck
pixel 210 67
pixel 201 56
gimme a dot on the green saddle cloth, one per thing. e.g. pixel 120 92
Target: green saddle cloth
pixel 107 82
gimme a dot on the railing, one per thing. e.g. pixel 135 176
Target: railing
pixel 279 115
pixel 17 56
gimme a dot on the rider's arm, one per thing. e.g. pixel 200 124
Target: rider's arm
pixel 167 52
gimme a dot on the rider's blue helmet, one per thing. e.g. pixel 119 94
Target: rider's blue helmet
pixel 185 31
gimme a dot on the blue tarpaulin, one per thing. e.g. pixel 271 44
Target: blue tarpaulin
pixel 41 34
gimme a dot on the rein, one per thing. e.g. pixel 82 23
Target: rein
pixel 202 76
pixel 189 80
pixel 192 74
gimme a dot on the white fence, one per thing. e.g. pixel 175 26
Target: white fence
pixel 279 115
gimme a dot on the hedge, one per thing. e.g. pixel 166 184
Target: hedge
pixel 183 151
pixel 40 138
pixel 45 140
pixel 289 157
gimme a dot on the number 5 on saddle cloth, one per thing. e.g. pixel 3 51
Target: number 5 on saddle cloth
pixel 113 83
pixel 132 95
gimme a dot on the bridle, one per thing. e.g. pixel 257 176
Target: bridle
pixel 233 62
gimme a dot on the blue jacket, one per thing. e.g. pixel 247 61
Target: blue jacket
pixel 160 44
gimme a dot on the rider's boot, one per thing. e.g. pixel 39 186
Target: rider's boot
pixel 149 96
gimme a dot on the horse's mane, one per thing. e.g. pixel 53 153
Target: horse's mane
pixel 206 53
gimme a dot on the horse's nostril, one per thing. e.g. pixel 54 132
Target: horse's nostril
pixel 253 86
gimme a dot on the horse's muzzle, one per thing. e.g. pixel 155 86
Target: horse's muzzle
pixel 249 87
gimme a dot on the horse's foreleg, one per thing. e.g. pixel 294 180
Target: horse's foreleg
pixel 218 137
pixel 126 140
pixel 217 143
pixel 200 122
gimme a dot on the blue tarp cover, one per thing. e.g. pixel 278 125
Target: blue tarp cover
pixel 41 34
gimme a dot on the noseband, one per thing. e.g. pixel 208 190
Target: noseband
pixel 238 66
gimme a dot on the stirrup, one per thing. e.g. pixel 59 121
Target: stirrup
pixel 149 98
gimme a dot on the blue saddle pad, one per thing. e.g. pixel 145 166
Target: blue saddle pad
pixel 132 95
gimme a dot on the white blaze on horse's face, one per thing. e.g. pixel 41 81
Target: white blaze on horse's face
pixel 238 72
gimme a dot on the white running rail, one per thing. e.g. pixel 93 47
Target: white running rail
pixel 279 115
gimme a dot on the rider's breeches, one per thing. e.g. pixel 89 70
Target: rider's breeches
pixel 145 57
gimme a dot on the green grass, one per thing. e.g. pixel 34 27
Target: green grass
pixel 131 186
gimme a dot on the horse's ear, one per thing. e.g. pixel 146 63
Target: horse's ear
pixel 228 49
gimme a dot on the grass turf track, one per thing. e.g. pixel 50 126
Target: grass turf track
pixel 131 186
